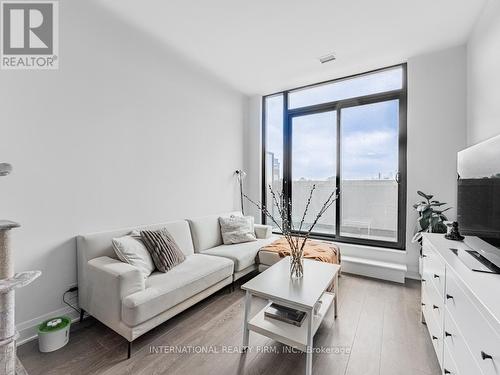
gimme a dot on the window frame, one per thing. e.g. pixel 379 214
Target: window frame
pixel 288 114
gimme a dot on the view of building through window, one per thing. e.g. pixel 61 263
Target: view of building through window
pixel 347 137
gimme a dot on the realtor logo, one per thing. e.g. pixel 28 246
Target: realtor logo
pixel 29 37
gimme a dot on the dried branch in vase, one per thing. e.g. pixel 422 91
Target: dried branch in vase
pixel 296 238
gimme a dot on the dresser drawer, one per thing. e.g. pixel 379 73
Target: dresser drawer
pixel 449 365
pixel 456 345
pixel 480 337
pixel 434 302
pixel 433 269
pixel 435 330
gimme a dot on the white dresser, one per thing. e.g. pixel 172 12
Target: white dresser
pixel 461 309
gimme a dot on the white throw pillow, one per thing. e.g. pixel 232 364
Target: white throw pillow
pixel 237 229
pixel 130 249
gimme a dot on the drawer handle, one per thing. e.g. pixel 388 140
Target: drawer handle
pixel 424 256
pixel 423 280
pixel 449 296
pixel 435 307
pixel 447 334
pixel 436 276
pixel 485 356
pixel 447 371
pixel 423 304
pixel 434 337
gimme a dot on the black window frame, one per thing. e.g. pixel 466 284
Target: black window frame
pixel 288 114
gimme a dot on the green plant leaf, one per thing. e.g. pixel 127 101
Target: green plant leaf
pixel 439 228
pixel 437 204
pixel 441 211
pixel 422 194
pixel 423 207
pixel 423 224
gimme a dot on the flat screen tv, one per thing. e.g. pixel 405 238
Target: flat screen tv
pixel 479 191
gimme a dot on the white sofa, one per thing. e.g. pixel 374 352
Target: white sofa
pixel 119 296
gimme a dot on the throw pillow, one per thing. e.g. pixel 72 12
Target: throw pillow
pixel 164 250
pixel 130 249
pixel 237 229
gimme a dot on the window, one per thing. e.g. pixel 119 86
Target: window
pixel 348 134
pixel 273 150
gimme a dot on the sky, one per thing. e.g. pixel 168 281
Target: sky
pixel 369 133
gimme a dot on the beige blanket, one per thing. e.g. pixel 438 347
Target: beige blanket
pixel 317 250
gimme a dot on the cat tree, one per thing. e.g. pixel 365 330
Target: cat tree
pixel 9 281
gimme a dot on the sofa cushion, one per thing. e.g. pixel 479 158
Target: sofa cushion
pixel 243 254
pixel 165 290
pixel 205 231
pixel 237 229
pixel 163 249
pixel 131 250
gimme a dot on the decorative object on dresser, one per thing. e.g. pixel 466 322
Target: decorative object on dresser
pixel 9 281
pixel 454 234
pixel 460 307
pixel 295 236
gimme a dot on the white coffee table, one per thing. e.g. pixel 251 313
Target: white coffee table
pixel 275 285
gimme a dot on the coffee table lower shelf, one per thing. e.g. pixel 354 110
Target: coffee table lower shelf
pixel 289 334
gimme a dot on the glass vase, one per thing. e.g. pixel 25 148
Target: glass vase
pixel 296 267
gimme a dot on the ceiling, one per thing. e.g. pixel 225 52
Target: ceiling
pixel 264 46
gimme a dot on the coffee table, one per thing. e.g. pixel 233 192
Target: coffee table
pixel 275 285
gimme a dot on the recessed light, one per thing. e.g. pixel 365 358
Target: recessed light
pixel 327 58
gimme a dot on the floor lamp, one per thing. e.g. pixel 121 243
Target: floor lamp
pixel 240 175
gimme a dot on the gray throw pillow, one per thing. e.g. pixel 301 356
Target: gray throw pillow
pixel 164 250
pixel 237 229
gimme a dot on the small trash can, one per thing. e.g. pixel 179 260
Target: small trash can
pixel 53 334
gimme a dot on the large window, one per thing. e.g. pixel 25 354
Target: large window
pixel 347 134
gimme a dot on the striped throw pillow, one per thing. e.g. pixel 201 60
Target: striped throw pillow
pixel 164 250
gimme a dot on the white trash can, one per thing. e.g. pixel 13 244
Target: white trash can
pixel 53 334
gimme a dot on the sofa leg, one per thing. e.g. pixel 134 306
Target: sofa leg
pixel 129 349
pixel 82 312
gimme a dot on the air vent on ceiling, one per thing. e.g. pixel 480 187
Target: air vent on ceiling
pixel 327 58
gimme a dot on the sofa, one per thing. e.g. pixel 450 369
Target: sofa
pixel 118 294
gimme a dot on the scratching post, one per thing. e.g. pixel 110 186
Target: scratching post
pixel 9 281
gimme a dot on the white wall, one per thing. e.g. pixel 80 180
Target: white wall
pixel 436 131
pixel 126 132
pixel 483 58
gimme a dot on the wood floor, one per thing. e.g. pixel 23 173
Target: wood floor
pixel 378 331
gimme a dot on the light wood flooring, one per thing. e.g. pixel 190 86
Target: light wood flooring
pixel 378 331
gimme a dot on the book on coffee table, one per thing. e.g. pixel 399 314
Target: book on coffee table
pixel 285 314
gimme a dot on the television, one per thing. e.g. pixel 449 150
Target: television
pixel 478 208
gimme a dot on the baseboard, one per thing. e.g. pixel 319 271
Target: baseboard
pixel 377 269
pixel 28 330
pixel 414 275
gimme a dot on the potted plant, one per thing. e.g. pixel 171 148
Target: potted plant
pixel 431 218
